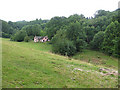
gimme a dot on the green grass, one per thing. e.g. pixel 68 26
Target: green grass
pixel 97 58
pixel 32 65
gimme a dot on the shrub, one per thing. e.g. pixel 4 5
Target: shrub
pixel 31 37
pixel 19 36
pixel 64 47
pixel 27 39
pixel 12 38
pixel 5 35
pixel 80 45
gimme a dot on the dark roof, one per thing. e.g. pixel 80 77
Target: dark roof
pixel 39 37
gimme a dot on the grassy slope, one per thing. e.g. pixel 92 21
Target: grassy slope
pixel 31 65
pixel 97 58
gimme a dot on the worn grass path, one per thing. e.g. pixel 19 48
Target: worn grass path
pixel 32 65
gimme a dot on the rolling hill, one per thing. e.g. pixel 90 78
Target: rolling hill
pixel 32 65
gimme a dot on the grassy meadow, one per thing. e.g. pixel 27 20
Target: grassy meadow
pixel 32 65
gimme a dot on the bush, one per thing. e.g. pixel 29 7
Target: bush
pixel 12 38
pixel 31 37
pixel 27 39
pixel 5 35
pixel 80 45
pixel 19 36
pixel 64 47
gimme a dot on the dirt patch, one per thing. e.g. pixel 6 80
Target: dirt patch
pixel 78 69
pixel 105 71
pixel 96 61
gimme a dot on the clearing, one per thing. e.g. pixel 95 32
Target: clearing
pixel 32 65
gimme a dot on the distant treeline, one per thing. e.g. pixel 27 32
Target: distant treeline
pixel 73 34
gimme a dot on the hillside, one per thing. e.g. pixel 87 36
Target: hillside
pixel 32 65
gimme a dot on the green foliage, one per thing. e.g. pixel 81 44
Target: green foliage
pixel 74 34
pixel 97 40
pixel 32 30
pixel 64 47
pixel 82 32
pixel 101 13
pixel 54 25
pixel 111 39
pixel 80 45
pixel 31 37
pixel 61 34
pixel 5 35
pixel 76 17
pixel 89 30
pixel 20 24
pixel 75 31
pixel 43 33
pixel 7 30
pixel 12 38
pixel 27 39
pixel 19 36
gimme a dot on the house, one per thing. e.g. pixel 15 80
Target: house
pixel 41 39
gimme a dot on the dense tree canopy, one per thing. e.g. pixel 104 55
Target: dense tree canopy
pixel 32 30
pixel 73 34
pixel 7 30
pixel 111 38
pixel 19 36
pixel 97 40
pixel 54 25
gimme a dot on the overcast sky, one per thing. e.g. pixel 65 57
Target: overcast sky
pixel 17 10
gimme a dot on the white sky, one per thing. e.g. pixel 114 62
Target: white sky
pixel 17 10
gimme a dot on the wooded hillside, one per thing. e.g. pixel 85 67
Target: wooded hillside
pixel 73 34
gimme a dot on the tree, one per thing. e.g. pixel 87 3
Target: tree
pixel 111 39
pixel 7 30
pixel 54 25
pixel 101 13
pixel 32 30
pixel 64 47
pixel 89 30
pixel 19 36
pixel 26 38
pixel 76 17
pixel 75 31
pixel 97 40
pixel 60 34
pixel 80 45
